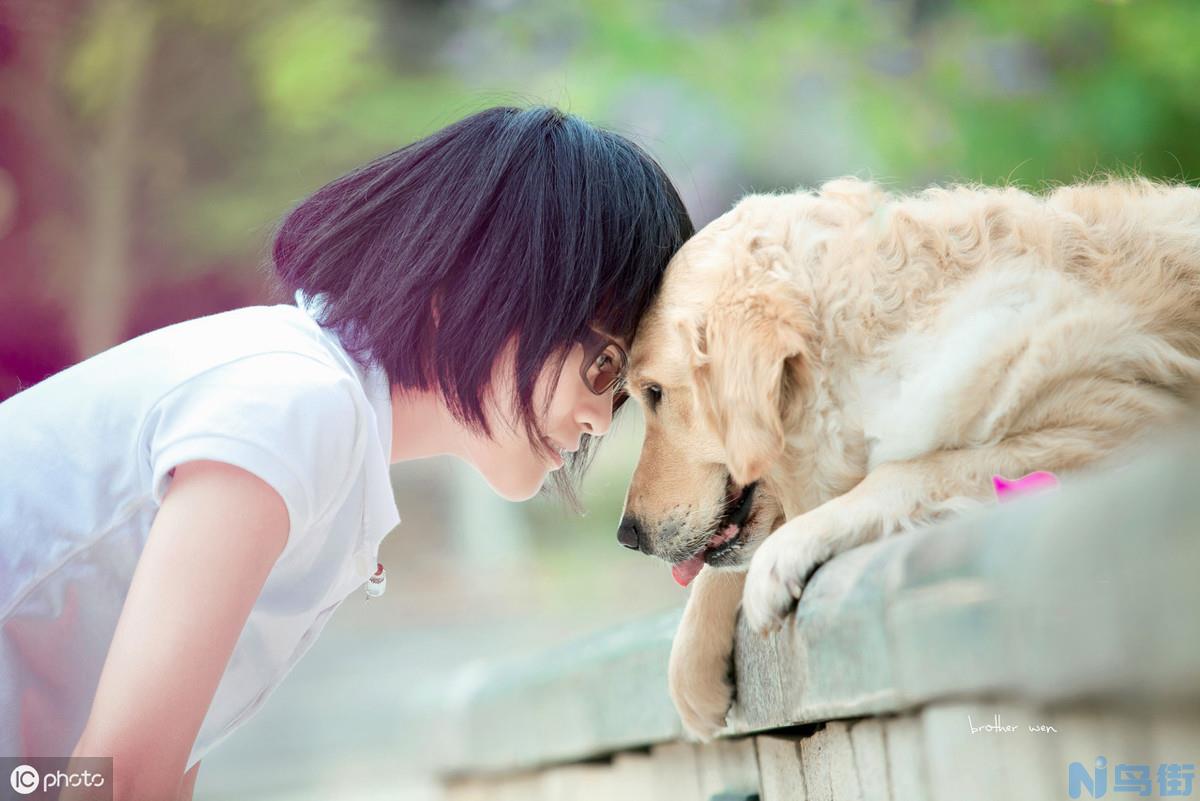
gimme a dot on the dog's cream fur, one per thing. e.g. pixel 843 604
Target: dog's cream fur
pixel 871 360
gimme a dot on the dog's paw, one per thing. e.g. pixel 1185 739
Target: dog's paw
pixel 778 572
pixel 701 685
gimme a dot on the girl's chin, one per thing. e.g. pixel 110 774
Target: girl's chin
pixel 524 494
pixel 520 491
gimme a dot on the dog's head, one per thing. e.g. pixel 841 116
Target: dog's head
pixel 717 362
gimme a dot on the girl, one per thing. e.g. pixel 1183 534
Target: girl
pixel 181 514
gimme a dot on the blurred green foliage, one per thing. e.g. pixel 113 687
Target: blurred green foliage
pixel 911 91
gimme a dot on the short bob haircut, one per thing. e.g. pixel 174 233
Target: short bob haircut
pixel 527 222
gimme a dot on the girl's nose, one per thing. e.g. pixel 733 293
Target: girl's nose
pixel 595 414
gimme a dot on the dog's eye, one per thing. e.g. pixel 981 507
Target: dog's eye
pixel 653 394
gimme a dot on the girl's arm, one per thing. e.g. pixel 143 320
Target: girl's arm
pixel 188 786
pixel 213 542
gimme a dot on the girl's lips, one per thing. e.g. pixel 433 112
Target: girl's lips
pixel 555 454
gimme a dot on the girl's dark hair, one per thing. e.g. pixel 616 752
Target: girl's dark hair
pixel 511 221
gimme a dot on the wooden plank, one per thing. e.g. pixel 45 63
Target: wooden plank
pixel 1032 769
pixel 815 762
pixel 963 765
pixel 987 750
pixel 633 774
pixel 908 774
pixel 779 769
pixel 728 766
pixel 843 772
pixel 759 671
pixel 521 787
pixel 870 759
pixel 466 790
pixel 584 782
pixel 1118 734
pixel 675 774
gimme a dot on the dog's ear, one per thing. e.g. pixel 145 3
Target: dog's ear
pixel 759 325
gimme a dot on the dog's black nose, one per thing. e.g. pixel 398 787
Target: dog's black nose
pixel 629 534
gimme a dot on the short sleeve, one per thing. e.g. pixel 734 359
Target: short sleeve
pixel 291 420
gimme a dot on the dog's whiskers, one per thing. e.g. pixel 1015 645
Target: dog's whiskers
pixel 713 514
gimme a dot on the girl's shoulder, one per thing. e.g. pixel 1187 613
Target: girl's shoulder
pixel 260 387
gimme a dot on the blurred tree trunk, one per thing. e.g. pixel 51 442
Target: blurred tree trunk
pixel 107 286
pixel 38 178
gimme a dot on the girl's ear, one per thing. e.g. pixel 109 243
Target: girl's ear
pixel 740 348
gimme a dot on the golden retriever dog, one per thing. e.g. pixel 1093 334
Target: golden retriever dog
pixel 825 368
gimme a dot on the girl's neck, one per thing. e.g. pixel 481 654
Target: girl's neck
pixel 422 427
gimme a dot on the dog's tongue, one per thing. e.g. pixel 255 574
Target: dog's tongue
pixel 686 570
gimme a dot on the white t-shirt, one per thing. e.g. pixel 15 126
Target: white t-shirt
pixel 86 457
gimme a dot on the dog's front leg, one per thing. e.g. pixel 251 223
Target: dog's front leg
pixel 699 675
pixel 893 497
